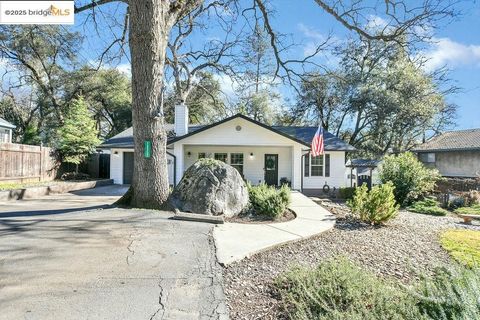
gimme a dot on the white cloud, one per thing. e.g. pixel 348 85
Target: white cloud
pixel 446 52
pixel 315 38
pixel 311 33
pixel 124 68
pixel 376 22
pixel 227 85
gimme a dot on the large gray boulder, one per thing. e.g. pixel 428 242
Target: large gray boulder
pixel 211 187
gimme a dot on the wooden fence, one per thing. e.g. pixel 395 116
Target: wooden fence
pixel 24 163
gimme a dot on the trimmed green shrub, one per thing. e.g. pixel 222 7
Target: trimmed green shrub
pixel 409 176
pixel 428 206
pixel 338 289
pixel 469 210
pixel 450 294
pixel 268 200
pixel 346 193
pixel 376 206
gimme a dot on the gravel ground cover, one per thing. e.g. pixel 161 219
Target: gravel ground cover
pixel 407 246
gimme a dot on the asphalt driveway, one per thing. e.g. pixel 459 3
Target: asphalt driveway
pixel 73 257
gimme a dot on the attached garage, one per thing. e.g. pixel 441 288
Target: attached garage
pixel 121 166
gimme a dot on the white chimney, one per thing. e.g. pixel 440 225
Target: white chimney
pixel 181 119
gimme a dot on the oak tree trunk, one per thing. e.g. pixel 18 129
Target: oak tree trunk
pixel 150 25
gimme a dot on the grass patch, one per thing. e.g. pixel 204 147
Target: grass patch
pixel 338 289
pixel 463 245
pixel 475 209
pixel 12 185
pixel 428 206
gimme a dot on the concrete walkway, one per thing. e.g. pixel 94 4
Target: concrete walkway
pixel 235 241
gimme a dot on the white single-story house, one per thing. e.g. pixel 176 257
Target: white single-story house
pixel 6 131
pixel 261 153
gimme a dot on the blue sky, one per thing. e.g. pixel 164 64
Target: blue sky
pixel 456 46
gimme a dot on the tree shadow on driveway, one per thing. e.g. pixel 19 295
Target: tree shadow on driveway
pixel 31 213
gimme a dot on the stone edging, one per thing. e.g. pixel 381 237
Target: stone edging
pixel 34 192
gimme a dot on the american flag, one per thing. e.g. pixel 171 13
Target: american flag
pixel 317 142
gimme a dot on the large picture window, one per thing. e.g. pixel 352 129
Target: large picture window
pixel 236 161
pixel 316 166
pixel 221 157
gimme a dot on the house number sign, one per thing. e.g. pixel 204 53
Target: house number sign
pixel 147 149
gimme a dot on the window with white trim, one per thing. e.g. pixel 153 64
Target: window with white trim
pixel 221 156
pixel 202 155
pixel 236 161
pixel 316 166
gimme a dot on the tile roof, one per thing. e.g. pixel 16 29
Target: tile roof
pixel 6 124
pixel 462 140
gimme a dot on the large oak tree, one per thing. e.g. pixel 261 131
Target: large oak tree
pixel 150 23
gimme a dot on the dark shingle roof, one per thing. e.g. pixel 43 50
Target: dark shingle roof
pixel 302 135
pixel 125 138
pixel 305 134
pixel 6 124
pixel 461 140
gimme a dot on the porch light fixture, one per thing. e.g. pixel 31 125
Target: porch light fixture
pixel 251 155
pixel 189 154
pixel 115 153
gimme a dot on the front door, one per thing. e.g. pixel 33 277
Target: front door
pixel 127 167
pixel 271 169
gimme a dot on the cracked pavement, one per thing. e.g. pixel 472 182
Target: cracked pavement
pixel 105 264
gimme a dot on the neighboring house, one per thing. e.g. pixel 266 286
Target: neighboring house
pixel 261 153
pixel 6 131
pixel 453 153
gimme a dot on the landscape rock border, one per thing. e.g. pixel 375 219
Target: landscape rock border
pixel 63 187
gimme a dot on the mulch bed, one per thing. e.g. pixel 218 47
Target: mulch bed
pixel 406 247
pixel 258 219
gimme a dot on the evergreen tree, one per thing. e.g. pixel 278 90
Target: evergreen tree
pixel 77 137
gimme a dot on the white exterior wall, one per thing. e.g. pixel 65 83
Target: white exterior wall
pixel 6 135
pixel 252 165
pixel 297 166
pixel 225 138
pixel 116 166
pixel 337 173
